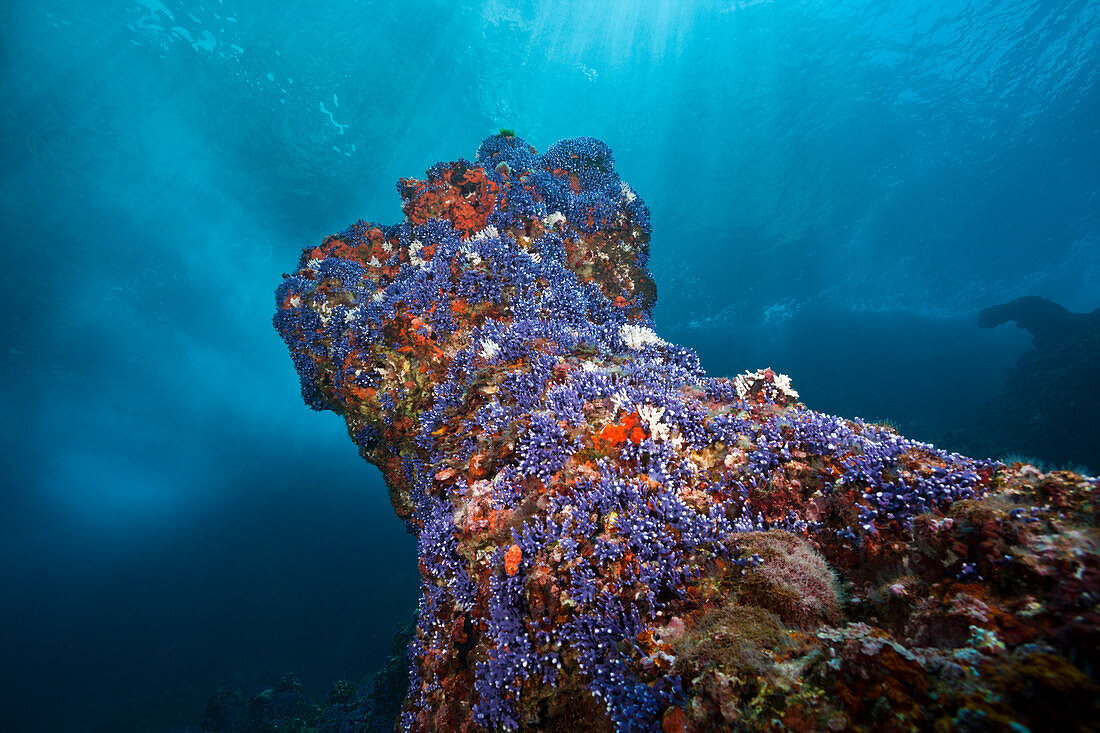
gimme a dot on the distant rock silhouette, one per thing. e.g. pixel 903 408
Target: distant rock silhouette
pixel 1049 323
pixel 371 706
pixel 1047 408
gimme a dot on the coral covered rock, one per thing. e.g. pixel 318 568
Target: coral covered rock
pixel 609 539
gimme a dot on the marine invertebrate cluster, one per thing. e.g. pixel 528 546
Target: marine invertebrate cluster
pixel 595 514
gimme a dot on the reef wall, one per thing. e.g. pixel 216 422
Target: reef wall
pixel 609 539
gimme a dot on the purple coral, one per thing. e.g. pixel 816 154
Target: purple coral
pixel 572 477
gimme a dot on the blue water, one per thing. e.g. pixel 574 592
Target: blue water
pixel 836 189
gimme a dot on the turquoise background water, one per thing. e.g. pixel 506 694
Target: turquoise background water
pixel 836 189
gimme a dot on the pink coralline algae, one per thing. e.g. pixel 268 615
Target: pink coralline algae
pixel 610 539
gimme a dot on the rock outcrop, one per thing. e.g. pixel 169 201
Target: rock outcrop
pixel 1048 405
pixel 610 539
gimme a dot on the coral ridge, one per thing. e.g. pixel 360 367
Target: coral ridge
pixel 610 539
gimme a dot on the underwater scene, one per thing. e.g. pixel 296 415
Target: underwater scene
pixel 547 365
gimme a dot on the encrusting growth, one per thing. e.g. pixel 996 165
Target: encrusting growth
pixel 609 539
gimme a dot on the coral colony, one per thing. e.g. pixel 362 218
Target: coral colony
pixel 609 539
